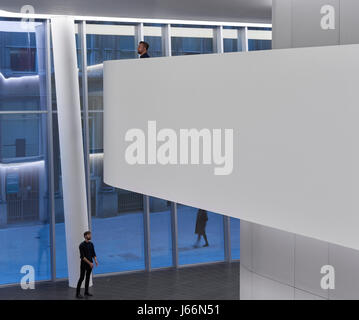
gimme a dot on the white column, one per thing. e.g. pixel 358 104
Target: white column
pixel 166 40
pixel 140 36
pixel 243 38
pixel 71 144
pixel 218 40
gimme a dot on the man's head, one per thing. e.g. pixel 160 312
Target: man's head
pixel 87 235
pixel 142 47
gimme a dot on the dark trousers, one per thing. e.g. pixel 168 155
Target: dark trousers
pixel 204 237
pixel 85 269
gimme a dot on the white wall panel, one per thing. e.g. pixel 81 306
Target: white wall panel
pixel 310 256
pixel 296 153
pixel 349 22
pixel 257 287
pixel 346 264
pixel 306 24
pixel 245 283
pixel 296 23
pixel 246 249
pixel 282 22
pixel 273 254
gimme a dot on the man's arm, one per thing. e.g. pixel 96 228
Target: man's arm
pixel 94 255
pixel 89 262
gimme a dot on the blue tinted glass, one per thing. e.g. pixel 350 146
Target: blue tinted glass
pixel 259 28
pixel 118 234
pixel 255 44
pixel 61 257
pixel 24 214
pixel 231 45
pixel 21 63
pixel 109 47
pixel 192 232
pixel 155 49
pixel 188 46
pixel 161 239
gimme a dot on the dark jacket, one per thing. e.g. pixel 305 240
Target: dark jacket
pixel 201 221
pixel 145 55
pixel 87 250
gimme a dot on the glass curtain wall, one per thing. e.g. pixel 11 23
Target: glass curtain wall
pixel 259 39
pixel 117 215
pixel 161 233
pixel 24 195
pixel 192 231
pixel 232 39
pixel 187 40
pixel 153 36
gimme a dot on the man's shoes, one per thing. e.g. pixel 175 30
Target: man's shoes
pixel 79 296
pixel 88 294
pixel 206 245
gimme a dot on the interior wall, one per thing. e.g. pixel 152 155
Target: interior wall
pixel 281 265
pixel 297 23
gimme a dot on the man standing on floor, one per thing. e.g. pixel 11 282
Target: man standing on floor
pixel 87 253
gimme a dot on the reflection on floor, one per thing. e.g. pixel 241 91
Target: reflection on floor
pixel 218 281
pixel 256 287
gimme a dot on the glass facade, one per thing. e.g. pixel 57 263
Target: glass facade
pixel 191 40
pixel 60 239
pixel 20 68
pixel 118 217
pixel 24 194
pixel 155 49
pixel 161 233
pixel 231 45
pixel 192 232
pixel 259 38
pixel 259 44
pixel 153 36
pixel 232 39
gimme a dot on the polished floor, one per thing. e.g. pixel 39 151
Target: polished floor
pixel 219 281
pixel 118 242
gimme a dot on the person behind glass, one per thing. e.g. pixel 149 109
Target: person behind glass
pixel 201 223
pixel 142 49
pixel 87 253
